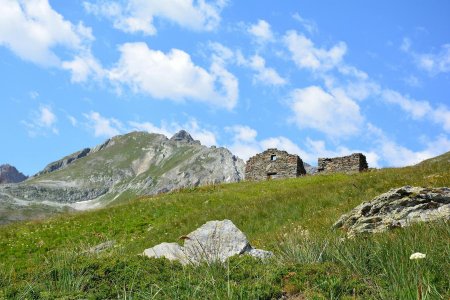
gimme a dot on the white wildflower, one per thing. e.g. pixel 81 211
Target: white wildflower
pixel 417 255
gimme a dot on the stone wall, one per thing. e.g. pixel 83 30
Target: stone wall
pixel 272 164
pixel 353 163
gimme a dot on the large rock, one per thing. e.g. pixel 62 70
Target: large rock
pixel 215 241
pixel 399 207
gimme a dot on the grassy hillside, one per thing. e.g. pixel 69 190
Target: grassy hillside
pixel 48 259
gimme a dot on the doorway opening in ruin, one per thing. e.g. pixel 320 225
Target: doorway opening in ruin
pixel 271 175
pixel 273 157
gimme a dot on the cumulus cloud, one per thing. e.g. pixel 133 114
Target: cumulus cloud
pixel 307 56
pixel 264 74
pixel 397 155
pixel 242 133
pixel 174 76
pixel 261 31
pixel 419 109
pixel 41 122
pixel 83 67
pixel 139 15
pixel 332 113
pixel 32 30
pixel 102 126
pixel 205 136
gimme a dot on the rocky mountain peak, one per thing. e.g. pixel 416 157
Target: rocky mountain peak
pixel 9 174
pixel 182 136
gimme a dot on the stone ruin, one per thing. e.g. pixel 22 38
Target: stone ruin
pixel 274 163
pixel 347 164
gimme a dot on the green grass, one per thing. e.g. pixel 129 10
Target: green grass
pixel 47 259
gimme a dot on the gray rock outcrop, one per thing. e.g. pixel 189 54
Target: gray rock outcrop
pixel 399 207
pixel 184 137
pixel 214 241
pixel 9 174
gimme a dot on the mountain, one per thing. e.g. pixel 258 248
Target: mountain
pixel 310 169
pixel 9 174
pixel 122 168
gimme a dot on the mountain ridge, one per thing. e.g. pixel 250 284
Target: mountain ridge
pixel 123 167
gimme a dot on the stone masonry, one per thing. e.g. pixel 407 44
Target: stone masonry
pixel 352 163
pixel 274 163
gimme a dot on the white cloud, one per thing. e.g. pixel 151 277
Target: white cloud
pixel 398 156
pixel 406 45
pixel 261 31
pixel 242 133
pixel 73 120
pixel 264 74
pixel 309 25
pixel 412 81
pixel 334 113
pixel 307 56
pixel 103 127
pixel 84 66
pixel 32 29
pixel 139 15
pixel 206 137
pixel 419 109
pixel 174 76
pixel 33 95
pixel 41 122
pixel 435 63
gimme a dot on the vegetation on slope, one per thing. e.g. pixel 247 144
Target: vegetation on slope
pixel 48 259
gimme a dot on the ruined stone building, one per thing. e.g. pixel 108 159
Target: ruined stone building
pixel 353 163
pixel 274 163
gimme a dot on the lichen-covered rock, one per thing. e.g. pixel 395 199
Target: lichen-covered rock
pixel 214 241
pixel 399 207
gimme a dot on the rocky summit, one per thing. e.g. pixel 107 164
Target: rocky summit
pixel 122 168
pixel 398 207
pixel 9 174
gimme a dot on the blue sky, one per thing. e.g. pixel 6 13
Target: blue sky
pixel 316 78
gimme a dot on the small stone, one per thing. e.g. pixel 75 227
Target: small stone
pixel 261 254
pixel 102 247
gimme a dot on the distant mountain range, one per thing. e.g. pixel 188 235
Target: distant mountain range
pixel 122 168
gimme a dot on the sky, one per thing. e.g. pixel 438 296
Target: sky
pixel 316 78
